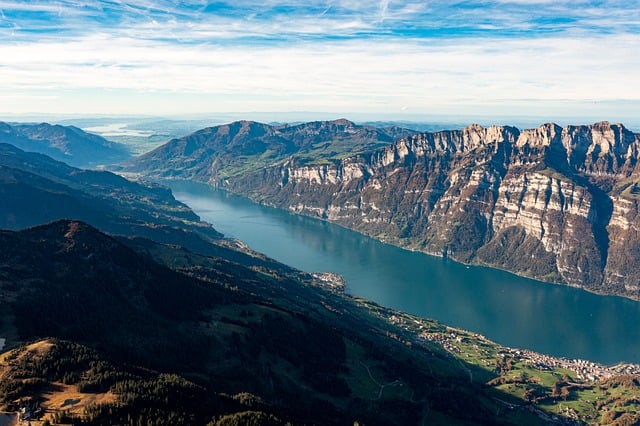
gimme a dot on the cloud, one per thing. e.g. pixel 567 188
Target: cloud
pixel 335 54
pixel 424 72
pixel 278 21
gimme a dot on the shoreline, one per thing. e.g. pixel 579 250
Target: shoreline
pixel 397 243
pixel 517 343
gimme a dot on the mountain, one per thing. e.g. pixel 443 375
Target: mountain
pixel 108 323
pixel 103 330
pixel 100 329
pixel 64 143
pixel 36 189
pixel 227 151
pixel 556 204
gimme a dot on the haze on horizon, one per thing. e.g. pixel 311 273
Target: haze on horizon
pixel 384 60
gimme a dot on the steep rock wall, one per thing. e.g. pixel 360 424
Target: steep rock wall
pixel 557 204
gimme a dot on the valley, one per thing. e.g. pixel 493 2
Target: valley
pixel 569 322
pixel 394 213
pixel 119 316
pixel 561 198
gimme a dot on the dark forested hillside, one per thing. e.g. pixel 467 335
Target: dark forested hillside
pixel 36 189
pixel 210 339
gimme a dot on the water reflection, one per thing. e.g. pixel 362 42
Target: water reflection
pixel 511 310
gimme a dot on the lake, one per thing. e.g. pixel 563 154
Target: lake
pixel 514 311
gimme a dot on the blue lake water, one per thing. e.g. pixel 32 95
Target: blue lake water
pixel 511 310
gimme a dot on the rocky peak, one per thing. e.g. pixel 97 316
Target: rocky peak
pixel 580 138
pixel 540 137
pixel 611 137
pixel 460 141
pixel 601 148
pixel 475 136
pixel 472 136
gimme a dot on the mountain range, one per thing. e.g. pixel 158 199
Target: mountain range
pixel 64 143
pixel 37 189
pixel 216 153
pixel 195 329
pixel 166 322
pixel 556 204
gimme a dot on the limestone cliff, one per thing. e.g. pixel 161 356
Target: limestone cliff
pixel 556 204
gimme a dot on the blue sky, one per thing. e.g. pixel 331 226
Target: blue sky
pixel 386 59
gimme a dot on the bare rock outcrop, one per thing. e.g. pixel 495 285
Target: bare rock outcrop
pixel 556 204
pixel 552 203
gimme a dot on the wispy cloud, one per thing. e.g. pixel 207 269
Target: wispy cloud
pixel 339 18
pixel 335 54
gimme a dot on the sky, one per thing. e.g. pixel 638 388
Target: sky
pixel 379 59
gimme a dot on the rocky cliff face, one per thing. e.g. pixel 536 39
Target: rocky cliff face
pixel 557 204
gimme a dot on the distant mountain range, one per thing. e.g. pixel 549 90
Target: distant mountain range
pixel 556 204
pixel 64 143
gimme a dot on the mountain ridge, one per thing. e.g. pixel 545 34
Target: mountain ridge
pixel 24 172
pixel 235 148
pixel 567 195
pixel 117 319
pixel 64 143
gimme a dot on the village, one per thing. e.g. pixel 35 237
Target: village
pixel 452 340
pixel 585 370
